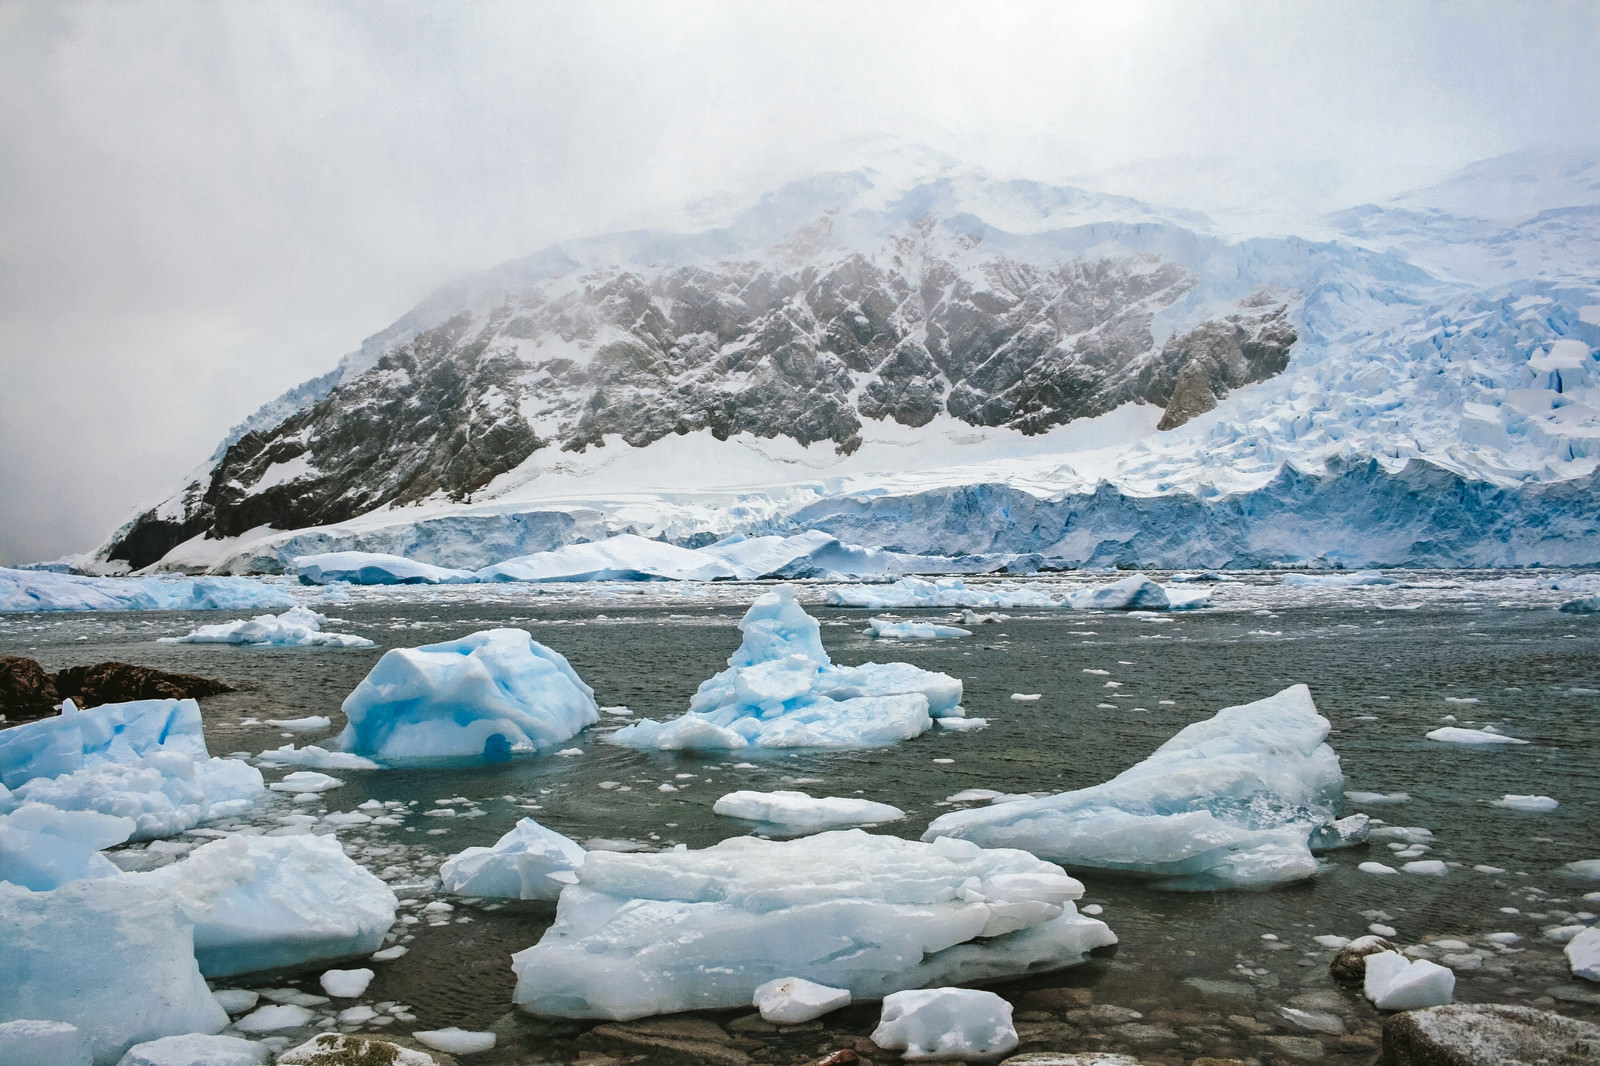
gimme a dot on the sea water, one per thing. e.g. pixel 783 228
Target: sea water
pixel 1234 974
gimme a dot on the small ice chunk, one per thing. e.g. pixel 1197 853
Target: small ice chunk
pixel 1583 954
pixel 455 1041
pixel 275 1016
pixel 796 812
pixel 794 1000
pixel 1584 869
pixel 309 724
pixel 389 954
pixel 1426 867
pixel 1526 803
pixel 303 781
pixel 1394 982
pixel 315 758
pixel 237 1000
pixel 1376 868
pixel 946 1023
pixel 1367 799
pixel 197 1049
pixel 1456 735
pixel 1026 697
pixel 346 984
pixel 1331 940
pixel 518 866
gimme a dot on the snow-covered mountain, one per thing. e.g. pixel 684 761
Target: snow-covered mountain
pixel 944 361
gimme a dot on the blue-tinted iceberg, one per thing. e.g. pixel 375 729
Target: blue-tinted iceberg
pixel 298 627
pixel 261 903
pixel 529 862
pixel 39 590
pixel 781 691
pixel 43 848
pixel 643 934
pixel 486 695
pixel 374 568
pixel 110 956
pixel 1230 802
pixel 1137 593
pixel 145 760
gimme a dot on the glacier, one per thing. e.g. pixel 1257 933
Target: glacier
pixel 781 690
pixel 643 934
pixel 1228 802
pixel 484 696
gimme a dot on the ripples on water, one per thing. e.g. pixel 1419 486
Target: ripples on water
pixel 1208 972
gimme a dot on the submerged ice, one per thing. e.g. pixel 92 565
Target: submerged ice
pixel 1229 802
pixel 484 696
pixel 781 690
pixel 643 934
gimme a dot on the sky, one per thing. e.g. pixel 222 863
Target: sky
pixel 203 204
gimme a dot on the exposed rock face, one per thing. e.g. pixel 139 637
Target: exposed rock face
pixel 800 346
pixel 26 691
pixel 1488 1035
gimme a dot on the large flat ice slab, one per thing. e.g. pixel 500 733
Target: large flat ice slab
pixel 782 691
pixel 261 903
pixel 1228 802
pixel 109 956
pixel 643 934
pixel 790 813
pixel 374 568
pixel 40 590
pixel 625 557
pixel 484 696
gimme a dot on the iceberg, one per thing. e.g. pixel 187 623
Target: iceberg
pixel 298 627
pixel 484 696
pixel 642 934
pixel 946 1023
pixel 261 903
pixel 942 592
pixel 782 691
pixel 100 736
pixel 795 813
pixel 1229 802
pixel 1133 593
pixel 44 848
pixel 40 590
pixel 529 862
pixel 886 629
pixel 31 1042
pixel 113 957
pixel 1581 605
pixel 374 568
pixel 625 557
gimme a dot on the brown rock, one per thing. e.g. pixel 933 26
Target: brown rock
pixel 1488 1034
pixel 1070 1058
pixel 838 1058
pixel 90 686
pixel 1055 999
pixel 697 1038
pixel 26 691
pixel 1350 965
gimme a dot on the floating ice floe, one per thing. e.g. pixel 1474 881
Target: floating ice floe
pixel 625 557
pixel 374 568
pixel 1456 735
pixel 197 1049
pixel 112 957
pixel 39 590
pixel 453 1041
pixel 795 813
pixel 261 903
pixel 145 760
pixel 1526 803
pixel 1338 581
pixel 795 1001
pixel 529 862
pixel 298 627
pixel 1230 802
pixel 943 592
pixel 484 696
pixel 887 629
pixel 945 1023
pixel 643 934
pixel 1583 954
pixel 1394 982
pixel 315 758
pixel 1136 593
pixel 781 691
pixel 1584 869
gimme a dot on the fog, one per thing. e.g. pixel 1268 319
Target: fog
pixel 203 204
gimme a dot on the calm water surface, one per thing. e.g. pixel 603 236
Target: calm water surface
pixel 1209 974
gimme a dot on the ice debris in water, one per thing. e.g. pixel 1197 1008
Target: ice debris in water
pixel 943 592
pixel 1526 803
pixel 643 934
pixel 1583 954
pixel 112 957
pixel 298 627
pixel 794 1000
pixel 1357 579
pixel 888 629
pixel 145 760
pixel 529 862
pixel 39 590
pixel 453 1041
pixel 946 1023
pixel 796 813
pixel 1394 982
pixel 484 696
pixel 373 568
pixel 1456 735
pixel 782 691
pixel 260 903
pixel 1230 802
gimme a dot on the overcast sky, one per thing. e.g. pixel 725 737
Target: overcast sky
pixel 203 204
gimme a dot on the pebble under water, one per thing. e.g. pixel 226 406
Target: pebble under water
pixel 1230 975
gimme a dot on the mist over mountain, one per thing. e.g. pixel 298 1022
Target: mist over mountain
pixel 893 339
